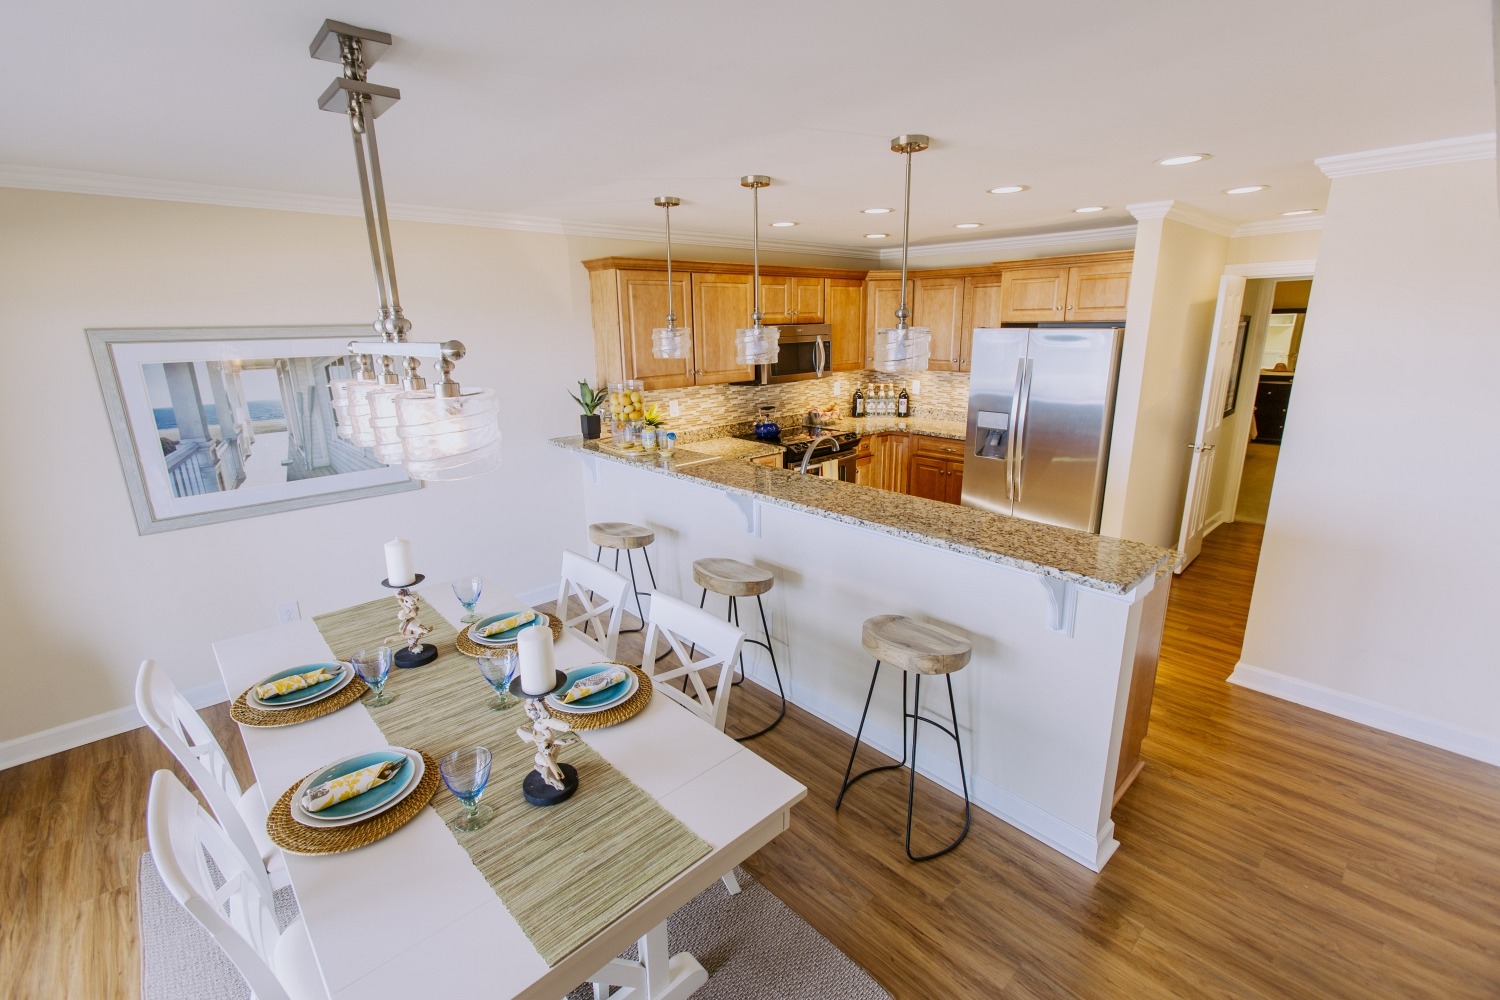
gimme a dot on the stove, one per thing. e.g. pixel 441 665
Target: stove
pixel 797 442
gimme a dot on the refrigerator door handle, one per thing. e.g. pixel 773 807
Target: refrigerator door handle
pixel 1023 406
pixel 1015 430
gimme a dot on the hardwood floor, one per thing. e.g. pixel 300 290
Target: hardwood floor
pixel 1267 851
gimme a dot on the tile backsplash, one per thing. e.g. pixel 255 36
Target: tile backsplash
pixel 715 410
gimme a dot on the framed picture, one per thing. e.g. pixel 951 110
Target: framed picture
pixel 1240 338
pixel 223 423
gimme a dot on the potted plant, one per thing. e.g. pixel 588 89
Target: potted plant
pixel 590 400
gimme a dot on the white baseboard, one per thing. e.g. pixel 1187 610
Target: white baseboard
pixel 76 734
pixel 1367 713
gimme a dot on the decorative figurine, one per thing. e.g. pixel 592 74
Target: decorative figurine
pixel 409 627
pixel 551 782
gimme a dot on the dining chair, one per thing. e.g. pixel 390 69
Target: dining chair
pixel 238 914
pixel 242 814
pixel 600 592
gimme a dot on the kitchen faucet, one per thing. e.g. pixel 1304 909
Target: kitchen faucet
pixel 824 436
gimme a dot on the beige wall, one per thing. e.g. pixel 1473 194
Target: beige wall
pixel 1375 592
pixel 85 597
pixel 1300 245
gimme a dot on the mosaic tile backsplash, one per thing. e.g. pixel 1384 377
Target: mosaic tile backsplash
pixel 716 410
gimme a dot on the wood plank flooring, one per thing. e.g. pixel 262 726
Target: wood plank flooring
pixel 1267 851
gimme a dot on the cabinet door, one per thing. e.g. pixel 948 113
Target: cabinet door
pixel 775 301
pixel 882 296
pixel 929 476
pixel 845 312
pixel 643 308
pixel 894 455
pixel 938 304
pixel 953 481
pixel 1097 292
pixel 1033 295
pixel 806 298
pixel 721 305
pixel 982 299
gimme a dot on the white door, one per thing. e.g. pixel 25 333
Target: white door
pixel 1210 417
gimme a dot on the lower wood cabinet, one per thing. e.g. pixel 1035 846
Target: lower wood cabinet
pixel 937 468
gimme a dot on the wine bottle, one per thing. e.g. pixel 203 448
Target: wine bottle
pixel 858 407
pixel 903 404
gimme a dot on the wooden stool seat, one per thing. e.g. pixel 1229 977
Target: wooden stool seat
pixel 620 535
pixel 732 578
pixel 914 646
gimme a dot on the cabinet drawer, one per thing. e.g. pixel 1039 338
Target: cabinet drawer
pixel 936 447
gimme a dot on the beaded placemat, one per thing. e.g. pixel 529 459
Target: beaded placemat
pixel 615 714
pixel 248 715
pixel 469 647
pixel 298 838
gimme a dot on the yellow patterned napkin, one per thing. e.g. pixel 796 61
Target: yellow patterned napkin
pixel 506 624
pixel 594 683
pixel 296 682
pixel 344 787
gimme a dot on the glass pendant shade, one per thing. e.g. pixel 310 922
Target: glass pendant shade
pixel 362 433
pixel 900 349
pixel 757 345
pixel 338 391
pixel 670 342
pixel 449 438
pixel 383 422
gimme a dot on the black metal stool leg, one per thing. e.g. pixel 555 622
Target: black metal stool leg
pixel 911 790
pixel 848 781
pixel 775 671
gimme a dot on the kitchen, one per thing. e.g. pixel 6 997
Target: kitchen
pixel 155 256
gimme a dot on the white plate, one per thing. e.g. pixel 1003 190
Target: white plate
pixel 542 620
pixel 418 769
pixel 631 684
pixel 346 675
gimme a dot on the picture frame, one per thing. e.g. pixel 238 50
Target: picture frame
pixel 1241 338
pixel 164 391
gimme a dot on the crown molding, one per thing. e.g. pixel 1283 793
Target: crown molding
pixel 1421 154
pixel 1274 269
pixel 1180 212
pixel 1299 224
pixel 1001 245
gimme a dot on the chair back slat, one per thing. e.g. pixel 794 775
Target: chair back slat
pixel 700 644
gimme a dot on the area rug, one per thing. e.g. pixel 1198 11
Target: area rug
pixel 752 945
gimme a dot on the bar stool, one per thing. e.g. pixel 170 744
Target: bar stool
pixel 921 649
pixel 621 535
pixel 734 579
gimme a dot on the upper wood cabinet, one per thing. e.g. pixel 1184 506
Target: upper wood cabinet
pixel 721 305
pixel 982 299
pixel 882 297
pixel 791 299
pixel 1081 293
pixel 627 306
pixel 844 310
pixel 938 305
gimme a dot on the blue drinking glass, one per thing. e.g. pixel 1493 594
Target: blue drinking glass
pixel 373 667
pixel 466 772
pixel 498 668
pixel 467 590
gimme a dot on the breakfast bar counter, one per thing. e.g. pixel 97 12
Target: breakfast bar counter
pixel 1065 625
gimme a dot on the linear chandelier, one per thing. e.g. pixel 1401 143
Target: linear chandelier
pixel 438 433
pixel 904 348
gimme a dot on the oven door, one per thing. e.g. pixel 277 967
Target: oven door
pixel 840 465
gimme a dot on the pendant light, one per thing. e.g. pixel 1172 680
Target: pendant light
pixel 439 433
pixel 756 345
pixel 904 348
pixel 670 341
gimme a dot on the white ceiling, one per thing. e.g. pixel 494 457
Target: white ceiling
pixel 573 115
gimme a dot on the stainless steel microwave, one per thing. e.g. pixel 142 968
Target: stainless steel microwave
pixel 805 352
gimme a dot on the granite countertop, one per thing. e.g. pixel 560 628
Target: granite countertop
pixel 733 447
pixel 955 429
pixel 1111 565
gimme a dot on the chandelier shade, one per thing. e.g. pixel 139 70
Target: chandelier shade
pixel 670 341
pixel 904 348
pixel 756 344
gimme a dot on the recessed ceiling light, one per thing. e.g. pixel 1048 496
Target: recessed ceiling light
pixel 877 211
pixel 1247 189
pixel 1300 211
pixel 1009 189
pixel 876 236
pixel 1089 208
pixel 782 225
pixel 967 225
pixel 1178 161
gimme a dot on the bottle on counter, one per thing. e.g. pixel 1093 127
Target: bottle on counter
pixel 857 408
pixel 903 404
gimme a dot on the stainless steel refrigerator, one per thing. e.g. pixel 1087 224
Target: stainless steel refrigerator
pixel 1041 402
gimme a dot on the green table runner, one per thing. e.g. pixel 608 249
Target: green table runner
pixel 526 853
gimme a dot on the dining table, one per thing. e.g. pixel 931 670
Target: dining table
pixel 412 915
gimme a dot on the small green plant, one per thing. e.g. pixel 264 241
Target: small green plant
pixel 588 398
pixel 653 417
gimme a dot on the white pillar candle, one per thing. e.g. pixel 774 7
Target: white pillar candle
pixel 398 571
pixel 534 649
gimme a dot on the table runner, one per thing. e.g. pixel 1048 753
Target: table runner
pixel 527 854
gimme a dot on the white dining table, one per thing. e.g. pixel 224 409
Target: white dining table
pixel 410 915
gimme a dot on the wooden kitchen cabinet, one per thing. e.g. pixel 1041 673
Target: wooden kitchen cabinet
pixel 721 305
pixel 844 311
pixel 770 461
pixel 983 295
pixel 890 453
pixel 791 299
pixel 882 297
pixel 864 463
pixel 1097 292
pixel 627 305
pixel 937 468
pixel 1079 293
pixel 938 304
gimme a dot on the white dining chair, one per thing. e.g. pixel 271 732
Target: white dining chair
pixel 242 814
pixel 600 592
pixel 240 913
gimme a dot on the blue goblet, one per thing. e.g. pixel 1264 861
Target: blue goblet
pixel 374 666
pixel 467 590
pixel 498 667
pixel 466 772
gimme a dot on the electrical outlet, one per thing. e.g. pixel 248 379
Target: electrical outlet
pixel 838 388
pixel 674 407
pixel 288 612
pixel 916 386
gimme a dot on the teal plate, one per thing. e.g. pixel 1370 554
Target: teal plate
pixel 312 693
pixel 599 699
pixel 369 801
pixel 509 635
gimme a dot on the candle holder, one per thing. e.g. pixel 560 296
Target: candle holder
pixel 410 627
pixel 551 782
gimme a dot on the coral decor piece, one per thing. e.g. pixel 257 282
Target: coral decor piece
pixel 548 736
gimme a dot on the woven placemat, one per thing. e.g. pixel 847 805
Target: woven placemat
pixel 248 715
pixel 297 838
pixel 469 647
pixel 615 714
